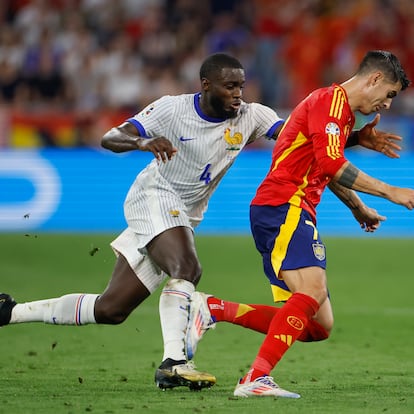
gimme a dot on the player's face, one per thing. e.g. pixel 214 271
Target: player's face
pixel 380 96
pixel 224 92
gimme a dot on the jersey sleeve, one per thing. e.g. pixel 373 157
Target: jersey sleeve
pixel 266 121
pixel 329 129
pixel 154 119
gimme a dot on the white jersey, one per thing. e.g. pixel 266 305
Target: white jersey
pixel 177 192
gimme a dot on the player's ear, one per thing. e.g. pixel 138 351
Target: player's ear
pixel 376 77
pixel 205 83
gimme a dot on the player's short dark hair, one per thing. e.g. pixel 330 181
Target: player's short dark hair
pixel 387 63
pixel 216 62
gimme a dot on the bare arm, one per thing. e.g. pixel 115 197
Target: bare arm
pixel 351 177
pixel 349 197
pixel 126 138
pixel 367 217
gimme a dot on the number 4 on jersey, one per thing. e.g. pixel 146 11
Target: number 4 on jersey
pixel 206 175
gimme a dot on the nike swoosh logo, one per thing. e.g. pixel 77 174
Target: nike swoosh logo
pixel 186 139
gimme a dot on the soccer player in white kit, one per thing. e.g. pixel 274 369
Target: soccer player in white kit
pixel 195 138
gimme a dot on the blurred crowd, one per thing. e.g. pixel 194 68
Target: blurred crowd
pixel 87 57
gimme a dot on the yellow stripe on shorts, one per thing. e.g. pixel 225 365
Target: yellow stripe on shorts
pixel 280 248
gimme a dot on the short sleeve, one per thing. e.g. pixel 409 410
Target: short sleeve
pixel 154 119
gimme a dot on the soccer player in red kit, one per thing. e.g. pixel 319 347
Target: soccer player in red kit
pixel 307 157
pixel 191 137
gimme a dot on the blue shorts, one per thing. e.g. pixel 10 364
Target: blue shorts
pixel 287 239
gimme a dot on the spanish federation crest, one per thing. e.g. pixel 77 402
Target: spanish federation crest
pixel 319 251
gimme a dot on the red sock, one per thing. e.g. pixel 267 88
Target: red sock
pixel 255 317
pixel 286 326
pixel 258 318
pixel 216 307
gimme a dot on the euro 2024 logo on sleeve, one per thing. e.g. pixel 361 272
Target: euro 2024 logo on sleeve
pixel 332 129
pixel 147 111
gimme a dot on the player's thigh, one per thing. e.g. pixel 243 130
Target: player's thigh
pixel 308 280
pixel 175 253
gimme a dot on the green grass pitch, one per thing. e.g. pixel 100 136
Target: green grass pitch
pixel 367 366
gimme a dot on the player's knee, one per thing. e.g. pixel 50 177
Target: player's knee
pixel 111 315
pixel 189 270
pixel 323 330
pixel 196 274
pixel 324 320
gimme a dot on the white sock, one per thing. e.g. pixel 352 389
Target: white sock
pixel 74 309
pixel 174 308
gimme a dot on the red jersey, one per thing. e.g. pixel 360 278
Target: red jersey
pixel 309 150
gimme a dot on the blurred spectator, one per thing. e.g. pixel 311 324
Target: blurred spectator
pixel 74 60
pixel 42 71
pixel 33 18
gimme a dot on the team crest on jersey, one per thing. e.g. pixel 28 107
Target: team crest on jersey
pixel 174 213
pixel 233 141
pixel 332 129
pixel 319 251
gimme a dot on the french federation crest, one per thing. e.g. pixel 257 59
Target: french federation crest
pixel 319 251
pixel 332 129
pixel 233 141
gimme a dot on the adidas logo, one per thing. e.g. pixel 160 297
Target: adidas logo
pixel 287 339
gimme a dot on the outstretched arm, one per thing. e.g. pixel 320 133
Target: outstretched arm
pixel 351 177
pixel 371 138
pixel 367 217
pixel 126 138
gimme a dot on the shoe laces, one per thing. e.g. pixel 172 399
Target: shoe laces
pixel 188 365
pixel 267 380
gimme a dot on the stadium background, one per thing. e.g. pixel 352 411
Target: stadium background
pixel 71 69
